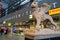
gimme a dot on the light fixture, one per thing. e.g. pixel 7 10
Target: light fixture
pixel 26 12
pixel 4 22
pixel 19 15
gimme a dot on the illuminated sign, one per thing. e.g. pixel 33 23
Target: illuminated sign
pixel 30 16
pixel 54 11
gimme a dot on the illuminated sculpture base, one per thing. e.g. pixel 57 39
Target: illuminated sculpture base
pixel 41 34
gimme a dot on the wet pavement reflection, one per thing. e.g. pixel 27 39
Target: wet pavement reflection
pixel 12 37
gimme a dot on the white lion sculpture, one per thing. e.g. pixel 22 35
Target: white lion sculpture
pixel 40 13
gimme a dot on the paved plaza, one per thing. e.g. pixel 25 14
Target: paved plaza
pixel 12 37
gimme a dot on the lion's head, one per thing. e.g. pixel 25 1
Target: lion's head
pixel 34 4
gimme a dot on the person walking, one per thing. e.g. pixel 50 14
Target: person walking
pixel 2 30
pixel 5 30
